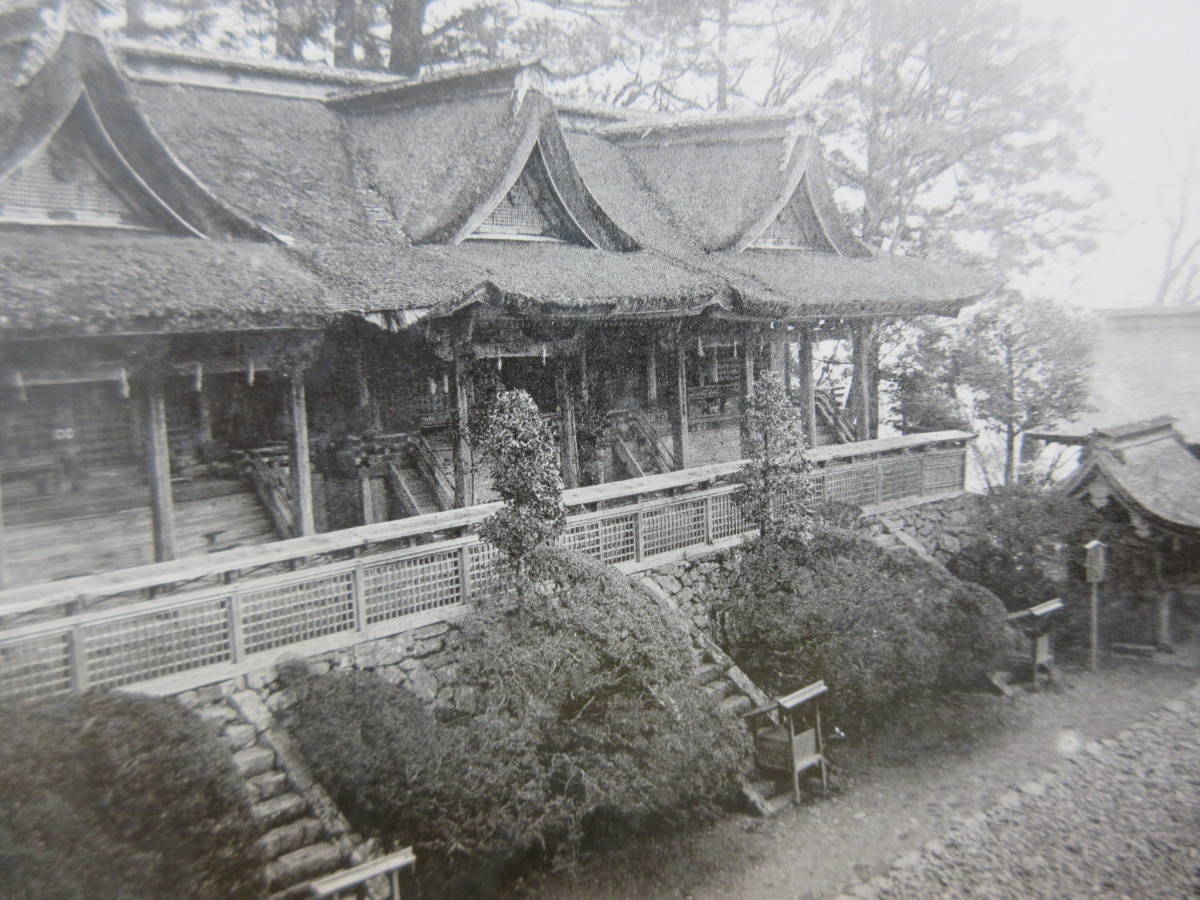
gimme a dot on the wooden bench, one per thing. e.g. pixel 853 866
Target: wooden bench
pixel 1035 623
pixel 787 735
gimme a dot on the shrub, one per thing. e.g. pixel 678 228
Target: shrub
pixel 111 795
pixel 525 471
pixel 776 491
pixel 588 726
pixel 877 626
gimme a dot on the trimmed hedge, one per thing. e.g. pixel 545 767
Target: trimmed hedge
pixel 113 795
pixel 876 625
pixel 588 727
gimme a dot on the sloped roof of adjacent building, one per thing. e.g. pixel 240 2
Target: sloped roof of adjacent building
pixel 1148 468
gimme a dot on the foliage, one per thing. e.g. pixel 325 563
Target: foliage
pixel 587 728
pixel 776 491
pixel 1026 363
pixel 523 456
pixel 1029 549
pixel 878 626
pixel 111 795
pixel 1020 533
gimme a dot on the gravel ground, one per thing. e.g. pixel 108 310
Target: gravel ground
pixel 1118 818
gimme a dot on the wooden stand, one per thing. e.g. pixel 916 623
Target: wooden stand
pixel 788 738
pixel 1035 623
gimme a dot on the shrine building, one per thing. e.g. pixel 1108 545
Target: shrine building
pixel 244 301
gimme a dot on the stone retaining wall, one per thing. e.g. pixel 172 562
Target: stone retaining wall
pixel 942 527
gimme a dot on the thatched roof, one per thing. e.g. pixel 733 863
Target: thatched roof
pixel 280 160
pixel 551 278
pixel 379 183
pixel 801 283
pixel 84 283
pixel 1147 468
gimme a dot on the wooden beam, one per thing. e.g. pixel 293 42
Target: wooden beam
pixel 302 492
pixel 861 338
pixel 566 410
pixel 158 467
pixel 652 372
pixel 679 411
pixel 463 485
pixel 808 393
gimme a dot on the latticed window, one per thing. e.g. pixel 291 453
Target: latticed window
pixel 530 210
pixel 61 184
pixel 793 229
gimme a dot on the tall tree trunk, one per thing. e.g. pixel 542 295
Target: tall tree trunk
pixel 289 30
pixel 723 56
pixel 136 26
pixel 345 33
pixel 1010 455
pixel 408 19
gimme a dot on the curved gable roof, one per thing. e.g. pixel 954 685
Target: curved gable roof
pixel 443 157
pixel 720 178
pixel 80 70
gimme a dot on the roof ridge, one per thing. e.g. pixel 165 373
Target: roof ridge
pixel 305 70
pixel 439 77
pixel 689 121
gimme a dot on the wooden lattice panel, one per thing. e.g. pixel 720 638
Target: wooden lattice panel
pixel 36 667
pixel 404 586
pixel 298 611
pixel 792 229
pixel 137 648
pixel 61 184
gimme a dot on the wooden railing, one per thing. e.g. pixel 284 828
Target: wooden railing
pixel 273 488
pixel 347 881
pixel 427 464
pixel 361 583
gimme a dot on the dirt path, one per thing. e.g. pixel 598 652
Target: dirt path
pixel 939 762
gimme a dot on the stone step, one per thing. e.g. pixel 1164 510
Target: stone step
pixel 239 736
pixel 254 761
pixel 293 836
pixel 718 690
pixel 736 704
pixel 268 785
pixel 279 810
pixel 302 865
pixel 707 674
pixel 216 715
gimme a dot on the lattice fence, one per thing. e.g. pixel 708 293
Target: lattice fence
pixel 374 595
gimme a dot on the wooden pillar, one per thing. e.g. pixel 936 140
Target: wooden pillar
pixel 862 380
pixel 3 555
pixel 808 392
pixel 158 468
pixel 679 412
pixel 787 367
pixel 301 466
pixel 566 410
pixel 652 373
pixel 750 350
pixel 464 488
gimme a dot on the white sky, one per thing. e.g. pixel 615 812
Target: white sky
pixel 1142 59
